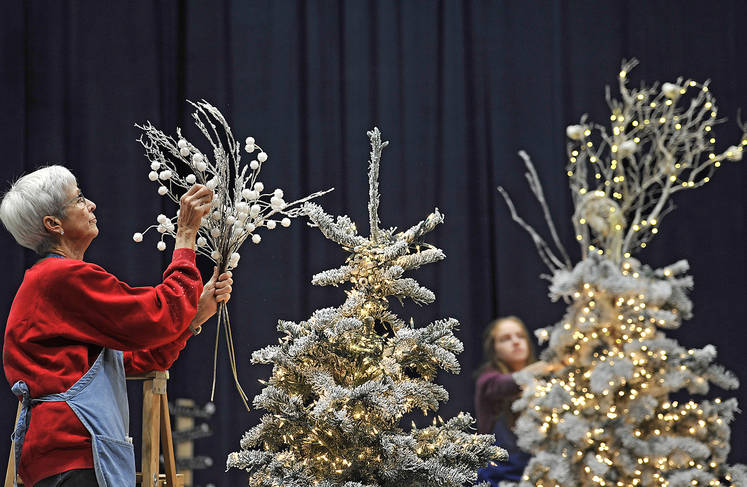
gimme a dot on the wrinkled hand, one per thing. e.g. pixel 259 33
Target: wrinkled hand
pixel 193 205
pixel 216 290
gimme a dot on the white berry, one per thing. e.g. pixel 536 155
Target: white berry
pixel 627 148
pixel 162 190
pixel 286 222
pixel 254 165
pixel 262 156
pixel 670 90
pixel 734 153
pixel 201 242
pixel 271 224
pixel 155 166
pixel 184 151
pixel 153 175
pixel 138 237
pixel 256 238
pixel 161 245
pixel 575 132
pixel 259 187
pixel 191 178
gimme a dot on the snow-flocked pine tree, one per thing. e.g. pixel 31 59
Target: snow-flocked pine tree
pixel 604 416
pixel 343 379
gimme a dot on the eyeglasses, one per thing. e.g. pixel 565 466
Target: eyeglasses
pixel 79 200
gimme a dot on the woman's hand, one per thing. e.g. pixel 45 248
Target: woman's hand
pixel 216 290
pixel 193 205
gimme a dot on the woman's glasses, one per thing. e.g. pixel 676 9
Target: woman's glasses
pixel 79 201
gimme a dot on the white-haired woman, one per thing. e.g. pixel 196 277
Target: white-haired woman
pixel 74 330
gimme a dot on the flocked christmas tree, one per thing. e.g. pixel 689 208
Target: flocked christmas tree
pixel 605 416
pixel 343 379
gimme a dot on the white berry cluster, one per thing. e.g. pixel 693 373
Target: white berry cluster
pixel 240 206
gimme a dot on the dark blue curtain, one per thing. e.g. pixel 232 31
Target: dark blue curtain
pixel 456 87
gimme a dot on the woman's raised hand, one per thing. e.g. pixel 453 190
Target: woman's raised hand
pixel 193 205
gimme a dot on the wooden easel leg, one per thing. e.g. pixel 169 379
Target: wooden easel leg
pixel 157 433
pixel 151 430
pixel 9 473
pixel 167 445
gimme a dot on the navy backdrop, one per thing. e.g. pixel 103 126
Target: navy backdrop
pixel 456 87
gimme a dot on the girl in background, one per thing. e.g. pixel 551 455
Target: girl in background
pixel 506 349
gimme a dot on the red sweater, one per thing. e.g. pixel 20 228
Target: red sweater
pixel 64 312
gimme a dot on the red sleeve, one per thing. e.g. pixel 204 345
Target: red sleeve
pixel 161 358
pixel 110 313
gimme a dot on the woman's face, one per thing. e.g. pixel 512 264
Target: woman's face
pixel 511 344
pixel 79 223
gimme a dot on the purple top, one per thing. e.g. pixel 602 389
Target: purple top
pixel 494 393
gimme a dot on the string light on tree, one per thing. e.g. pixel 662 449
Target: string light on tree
pixel 604 416
pixel 343 379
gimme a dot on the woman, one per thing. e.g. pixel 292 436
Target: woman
pixel 74 331
pixel 507 349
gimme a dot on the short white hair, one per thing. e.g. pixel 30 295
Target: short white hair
pixel 41 193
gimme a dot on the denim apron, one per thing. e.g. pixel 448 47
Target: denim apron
pixel 99 400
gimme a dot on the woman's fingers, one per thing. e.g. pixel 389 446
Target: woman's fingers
pixel 194 204
pixel 223 287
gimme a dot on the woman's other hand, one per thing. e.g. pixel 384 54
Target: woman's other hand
pixel 216 290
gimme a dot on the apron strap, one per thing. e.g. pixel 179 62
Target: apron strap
pixel 21 390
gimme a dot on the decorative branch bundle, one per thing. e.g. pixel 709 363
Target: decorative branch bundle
pixel 240 208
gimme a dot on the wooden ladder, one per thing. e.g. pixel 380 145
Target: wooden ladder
pixel 156 432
